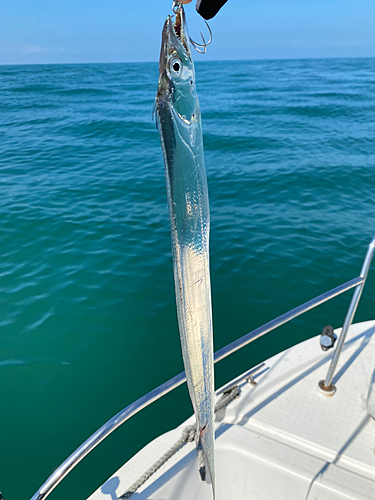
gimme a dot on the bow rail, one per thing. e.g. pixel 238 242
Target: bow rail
pixel 358 283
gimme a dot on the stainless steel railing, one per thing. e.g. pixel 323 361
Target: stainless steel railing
pixel 326 385
pixel 63 470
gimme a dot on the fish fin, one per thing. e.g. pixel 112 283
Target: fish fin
pixel 206 469
pixel 202 472
pixel 201 462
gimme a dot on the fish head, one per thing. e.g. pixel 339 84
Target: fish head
pixel 176 86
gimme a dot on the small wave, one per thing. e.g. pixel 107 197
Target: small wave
pixel 12 362
pixel 323 111
pixel 41 320
pixel 240 143
pixel 33 88
pixel 18 362
pixel 84 91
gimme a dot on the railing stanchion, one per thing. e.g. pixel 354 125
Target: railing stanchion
pixel 326 386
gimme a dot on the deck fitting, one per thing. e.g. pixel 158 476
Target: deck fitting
pixel 251 381
pixel 327 391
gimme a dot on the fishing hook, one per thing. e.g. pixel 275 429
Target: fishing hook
pixel 198 46
pixel 176 6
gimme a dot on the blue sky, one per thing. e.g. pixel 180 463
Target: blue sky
pixel 53 31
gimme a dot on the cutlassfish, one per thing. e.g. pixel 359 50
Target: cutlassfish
pixel 179 124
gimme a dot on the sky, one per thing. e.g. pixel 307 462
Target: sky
pixel 79 31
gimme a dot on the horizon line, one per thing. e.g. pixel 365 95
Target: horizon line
pixel 206 60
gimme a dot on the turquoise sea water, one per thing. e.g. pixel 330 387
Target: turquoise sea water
pixel 88 321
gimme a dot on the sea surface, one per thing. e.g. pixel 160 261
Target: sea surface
pixel 87 310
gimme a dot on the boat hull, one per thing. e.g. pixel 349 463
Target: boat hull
pixel 282 438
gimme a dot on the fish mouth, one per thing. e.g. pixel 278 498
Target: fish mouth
pixel 179 28
pixel 178 25
pixel 175 33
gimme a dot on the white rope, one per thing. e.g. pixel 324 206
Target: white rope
pixel 188 435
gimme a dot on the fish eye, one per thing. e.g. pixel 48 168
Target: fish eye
pixel 175 66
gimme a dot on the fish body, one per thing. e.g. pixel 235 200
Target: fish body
pixel 179 124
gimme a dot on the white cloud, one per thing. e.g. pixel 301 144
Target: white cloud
pixel 35 49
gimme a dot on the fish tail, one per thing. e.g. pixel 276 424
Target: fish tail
pixel 206 466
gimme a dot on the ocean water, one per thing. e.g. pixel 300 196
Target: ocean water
pixel 88 320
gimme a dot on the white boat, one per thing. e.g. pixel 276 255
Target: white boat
pixel 298 426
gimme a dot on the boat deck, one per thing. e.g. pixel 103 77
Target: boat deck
pixel 281 439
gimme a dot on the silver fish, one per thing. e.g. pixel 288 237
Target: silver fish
pixel 179 124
